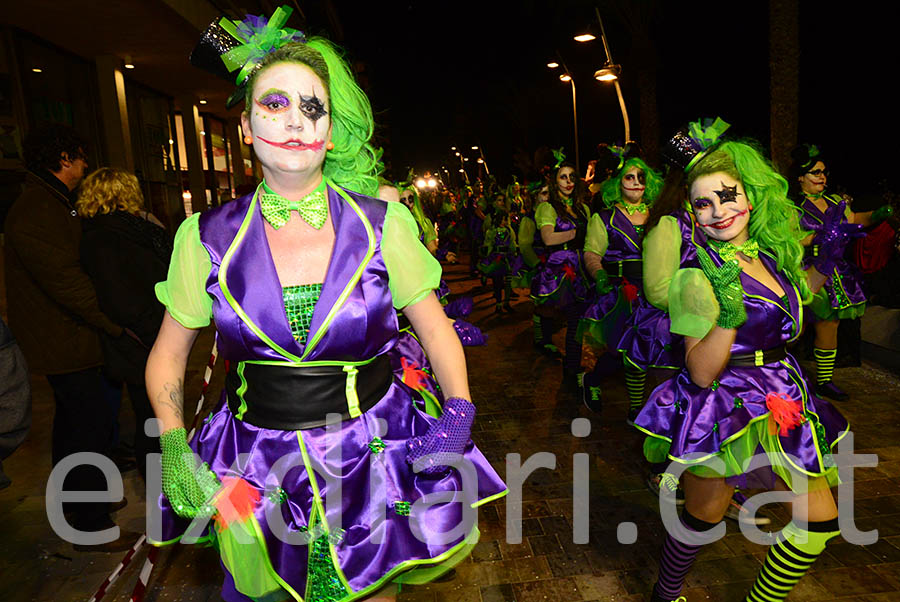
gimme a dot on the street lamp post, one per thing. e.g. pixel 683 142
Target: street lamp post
pixel 567 77
pixel 482 160
pixel 610 72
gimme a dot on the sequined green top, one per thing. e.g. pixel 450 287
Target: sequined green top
pixel 299 303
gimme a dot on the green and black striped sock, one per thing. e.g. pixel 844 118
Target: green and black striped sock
pixel 797 549
pixel 635 379
pixel 536 330
pixel 824 364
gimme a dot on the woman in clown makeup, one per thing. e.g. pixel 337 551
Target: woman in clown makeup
pixel 612 255
pixel 315 464
pixel 737 300
pixel 842 297
pixel 559 288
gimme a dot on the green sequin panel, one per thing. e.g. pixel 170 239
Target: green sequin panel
pixel 323 583
pixel 299 303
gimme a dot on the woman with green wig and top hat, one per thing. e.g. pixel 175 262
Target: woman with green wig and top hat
pixel 842 297
pixel 560 288
pixel 316 467
pixel 740 412
pixel 612 255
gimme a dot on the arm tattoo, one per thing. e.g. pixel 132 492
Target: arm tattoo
pixel 172 397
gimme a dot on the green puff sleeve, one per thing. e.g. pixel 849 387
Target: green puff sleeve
pixel 545 215
pixel 525 237
pixel 662 258
pixel 412 271
pixel 597 240
pixel 184 290
pixel 693 308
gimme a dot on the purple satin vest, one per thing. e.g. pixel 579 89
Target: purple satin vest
pixel 624 241
pixel 354 318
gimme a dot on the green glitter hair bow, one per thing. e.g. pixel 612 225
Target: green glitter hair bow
pixel 707 134
pixel 559 156
pixel 258 36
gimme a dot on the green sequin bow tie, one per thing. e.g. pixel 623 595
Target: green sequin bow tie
pixel 632 209
pixel 727 250
pixel 313 208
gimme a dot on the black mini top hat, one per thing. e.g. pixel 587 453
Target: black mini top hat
pixel 226 46
pixel 693 141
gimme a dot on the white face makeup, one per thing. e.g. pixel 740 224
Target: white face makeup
pixel 633 185
pixel 721 207
pixel 815 180
pixel 408 198
pixel 289 120
pixel 565 181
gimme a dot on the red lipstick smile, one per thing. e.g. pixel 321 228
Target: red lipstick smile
pixel 296 145
pixel 726 223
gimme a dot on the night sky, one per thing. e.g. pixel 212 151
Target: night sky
pixel 464 73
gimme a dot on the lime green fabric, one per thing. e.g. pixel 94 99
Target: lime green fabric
pixel 184 290
pixel 527 228
pixel 299 304
pixel 821 307
pixel 413 272
pixel 693 308
pixel 242 548
pixel 662 258
pixel 737 453
pixel 545 215
pixel 597 240
pixel 188 487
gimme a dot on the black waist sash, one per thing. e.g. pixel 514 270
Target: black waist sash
pixel 633 271
pixel 291 398
pixel 758 358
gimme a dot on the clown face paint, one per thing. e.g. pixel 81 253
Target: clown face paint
pixel 633 185
pixel 565 181
pixel 408 198
pixel 543 195
pixel 814 181
pixel 289 119
pixel 721 207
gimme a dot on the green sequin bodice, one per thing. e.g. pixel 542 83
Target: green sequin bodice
pixel 299 303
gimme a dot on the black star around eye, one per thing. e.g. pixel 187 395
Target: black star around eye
pixel 312 107
pixel 728 194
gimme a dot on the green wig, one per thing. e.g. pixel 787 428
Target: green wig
pixel 353 163
pixel 774 221
pixel 417 211
pixel 611 189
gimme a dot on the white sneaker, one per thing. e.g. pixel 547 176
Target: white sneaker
pixel 737 512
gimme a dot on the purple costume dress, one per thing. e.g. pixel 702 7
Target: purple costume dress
pixel 842 297
pixel 647 341
pixel 347 487
pixel 560 281
pixel 730 419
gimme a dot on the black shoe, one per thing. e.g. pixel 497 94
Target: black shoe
pixel 126 541
pixel 632 416
pixel 508 308
pixel 591 394
pixel 831 391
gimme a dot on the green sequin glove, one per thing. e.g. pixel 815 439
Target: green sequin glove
pixel 882 213
pixel 188 487
pixel 726 284
pixel 602 282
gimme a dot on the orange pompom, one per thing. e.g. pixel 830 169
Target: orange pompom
pixel 413 376
pixel 784 413
pixel 236 501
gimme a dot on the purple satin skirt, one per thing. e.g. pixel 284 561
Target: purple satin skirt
pixel 356 487
pixel 687 419
pixel 605 319
pixel 646 340
pixel 560 282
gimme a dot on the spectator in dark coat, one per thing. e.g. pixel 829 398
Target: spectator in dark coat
pixel 55 316
pixel 125 251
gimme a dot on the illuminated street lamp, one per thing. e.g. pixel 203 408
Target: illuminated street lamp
pixel 567 77
pixel 610 73
pixel 420 183
pixel 585 37
pixel 553 65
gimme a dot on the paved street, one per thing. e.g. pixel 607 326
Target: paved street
pixel 522 410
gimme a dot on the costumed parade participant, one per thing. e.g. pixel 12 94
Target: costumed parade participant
pixel 316 461
pixel 842 297
pixel 738 303
pixel 500 259
pixel 559 288
pixel 612 254
pixel 534 255
pixel 409 196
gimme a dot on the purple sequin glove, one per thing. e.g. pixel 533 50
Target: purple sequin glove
pixel 829 242
pixel 445 441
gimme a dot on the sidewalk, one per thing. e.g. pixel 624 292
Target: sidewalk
pixel 521 410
